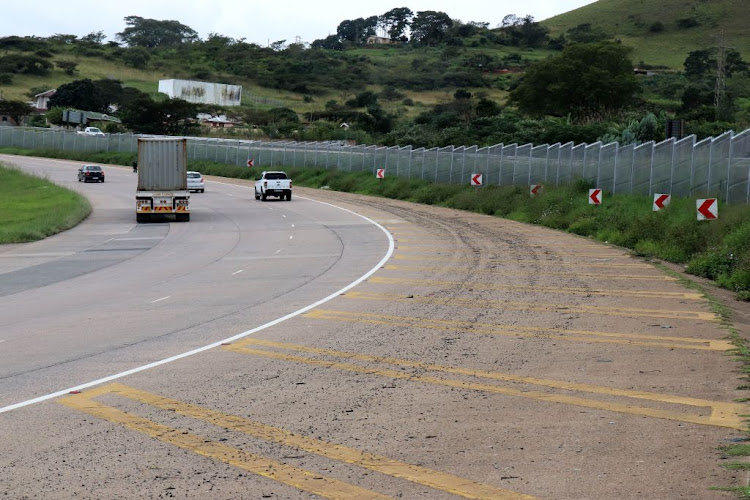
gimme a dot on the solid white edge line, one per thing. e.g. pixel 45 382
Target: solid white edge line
pixel 246 333
pixel 159 300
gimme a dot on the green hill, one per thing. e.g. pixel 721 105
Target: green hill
pixel 663 32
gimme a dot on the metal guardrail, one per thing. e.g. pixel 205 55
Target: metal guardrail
pixel 716 167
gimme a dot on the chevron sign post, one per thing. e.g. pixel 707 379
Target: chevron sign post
pixel 535 189
pixel 380 173
pixel 708 209
pixel 595 196
pixel 476 179
pixel 661 201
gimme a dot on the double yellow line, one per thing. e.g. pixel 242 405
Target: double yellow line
pixel 302 479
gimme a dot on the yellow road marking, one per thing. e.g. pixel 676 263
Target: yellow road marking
pixel 433 249
pixel 394 267
pixel 539 306
pixel 299 478
pixel 541 289
pixel 416 474
pixel 540 263
pixel 525 331
pixel 722 414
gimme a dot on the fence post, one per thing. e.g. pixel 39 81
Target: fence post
pixel 651 171
pixel 729 163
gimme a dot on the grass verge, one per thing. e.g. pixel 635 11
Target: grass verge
pixel 32 208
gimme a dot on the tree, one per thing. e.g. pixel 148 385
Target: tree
pixel 79 94
pixel 17 110
pixel 586 81
pixel 396 22
pixel 429 27
pixel 136 57
pixel 357 30
pixel 170 117
pixel 95 37
pixel 151 33
pixel 69 67
pixel 27 65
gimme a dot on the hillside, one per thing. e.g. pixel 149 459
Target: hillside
pixel 686 25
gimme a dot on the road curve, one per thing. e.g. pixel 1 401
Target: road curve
pixel 484 359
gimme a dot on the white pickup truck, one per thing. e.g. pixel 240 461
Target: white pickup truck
pixel 273 184
pixel 91 131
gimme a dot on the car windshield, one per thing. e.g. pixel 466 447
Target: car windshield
pixel 276 175
pixel 193 175
pixel 93 168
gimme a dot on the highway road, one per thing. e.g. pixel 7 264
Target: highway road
pixel 342 346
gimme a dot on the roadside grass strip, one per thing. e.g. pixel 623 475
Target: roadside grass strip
pixel 630 312
pixel 719 414
pixel 301 479
pixel 542 289
pixel 470 327
pixel 536 262
pixel 396 267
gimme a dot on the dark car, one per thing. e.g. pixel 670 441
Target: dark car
pixel 90 173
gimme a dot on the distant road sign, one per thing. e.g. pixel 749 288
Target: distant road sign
pixel 380 174
pixel 476 179
pixel 250 162
pixel 595 196
pixel 708 209
pixel 535 189
pixel 661 201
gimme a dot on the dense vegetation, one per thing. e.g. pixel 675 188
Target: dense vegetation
pixel 438 81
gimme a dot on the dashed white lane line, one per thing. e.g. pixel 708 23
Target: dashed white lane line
pixel 284 216
pixel 292 236
pixel 277 251
pixel 159 300
pixel 237 272
pixel 104 380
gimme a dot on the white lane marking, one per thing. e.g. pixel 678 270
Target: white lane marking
pixel 284 216
pixel 277 251
pixel 38 254
pixel 159 300
pixel 292 236
pixel 237 272
pixel 2 341
pixel 104 380
pixel 293 224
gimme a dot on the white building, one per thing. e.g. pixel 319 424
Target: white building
pixel 202 92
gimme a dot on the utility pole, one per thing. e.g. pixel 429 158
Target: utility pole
pixel 720 73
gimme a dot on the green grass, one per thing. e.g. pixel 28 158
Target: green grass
pixel 32 208
pixel 630 20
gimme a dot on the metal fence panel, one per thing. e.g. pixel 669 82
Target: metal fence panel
pixel 718 166
pixel 522 165
pixel 578 155
pixel 641 173
pixel 607 165
pixel 623 175
pixel 538 164
pixel 563 174
pixel 681 162
pixel 739 169
pixel 591 156
pixel 661 167
pixel 507 164
pixel 444 162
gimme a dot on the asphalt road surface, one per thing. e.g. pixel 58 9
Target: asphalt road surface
pixel 341 346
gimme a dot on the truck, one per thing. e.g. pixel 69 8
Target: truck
pixel 162 179
pixel 91 131
pixel 273 184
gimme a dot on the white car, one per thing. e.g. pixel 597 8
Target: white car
pixel 195 182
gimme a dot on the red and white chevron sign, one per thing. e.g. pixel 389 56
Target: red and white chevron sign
pixel 535 189
pixel 476 179
pixel 380 173
pixel 595 196
pixel 708 209
pixel 661 201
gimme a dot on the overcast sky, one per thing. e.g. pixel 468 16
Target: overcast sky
pixel 257 22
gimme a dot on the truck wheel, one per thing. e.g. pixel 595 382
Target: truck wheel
pixel 257 196
pixel 289 197
pixel 263 196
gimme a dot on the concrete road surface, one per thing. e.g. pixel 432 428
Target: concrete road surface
pixel 341 346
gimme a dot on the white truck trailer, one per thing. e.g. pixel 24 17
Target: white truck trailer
pixel 162 179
